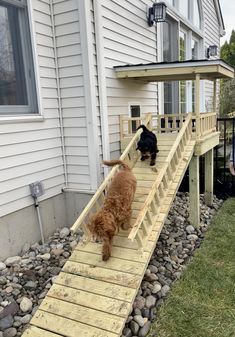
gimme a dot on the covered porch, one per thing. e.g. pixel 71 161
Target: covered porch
pixel 204 130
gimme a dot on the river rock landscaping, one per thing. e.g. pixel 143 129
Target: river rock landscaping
pixel 25 279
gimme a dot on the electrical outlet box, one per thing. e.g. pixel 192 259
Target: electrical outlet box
pixel 36 189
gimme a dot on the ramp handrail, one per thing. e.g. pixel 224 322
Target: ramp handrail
pixel 96 201
pixel 156 194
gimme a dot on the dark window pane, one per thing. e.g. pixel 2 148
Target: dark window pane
pixel 12 77
pixel 135 112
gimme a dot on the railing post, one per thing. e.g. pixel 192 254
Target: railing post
pixel 197 106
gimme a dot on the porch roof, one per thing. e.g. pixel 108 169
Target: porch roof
pixel 176 71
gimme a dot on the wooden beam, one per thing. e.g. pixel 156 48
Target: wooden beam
pixel 209 177
pixel 194 192
pixel 197 105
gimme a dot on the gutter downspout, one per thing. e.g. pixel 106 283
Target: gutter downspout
pixel 102 85
pixel 59 95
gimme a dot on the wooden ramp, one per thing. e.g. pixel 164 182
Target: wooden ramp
pixel 92 298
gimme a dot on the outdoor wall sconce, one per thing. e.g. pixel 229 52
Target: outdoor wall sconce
pixel 156 13
pixel 212 51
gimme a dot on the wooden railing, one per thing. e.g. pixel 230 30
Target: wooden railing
pixel 148 214
pixel 205 124
pixel 130 156
pixel 167 123
pixel 129 125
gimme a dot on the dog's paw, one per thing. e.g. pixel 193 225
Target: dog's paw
pixel 152 163
pixel 105 257
pixel 142 158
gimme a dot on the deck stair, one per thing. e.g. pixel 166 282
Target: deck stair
pixel 92 298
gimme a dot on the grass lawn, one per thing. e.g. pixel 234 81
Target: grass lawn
pixel 202 302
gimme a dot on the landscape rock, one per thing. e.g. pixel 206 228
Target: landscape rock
pixel 26 304
pixel 145 329
pixel 10 261
pixel 6 322
pixel 26 279
pixel 11 332
pixel 64 232
pixel 2 266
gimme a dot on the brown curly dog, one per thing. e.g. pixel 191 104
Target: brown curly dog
pixel 116 209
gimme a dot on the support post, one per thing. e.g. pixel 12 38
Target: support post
pixel 194 192
pixel 197 105
pixel 215 96
pixel 209 177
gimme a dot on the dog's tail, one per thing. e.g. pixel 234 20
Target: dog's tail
pixel 142 126
pixel 117 162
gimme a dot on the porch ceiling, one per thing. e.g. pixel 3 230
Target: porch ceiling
pixel 176 71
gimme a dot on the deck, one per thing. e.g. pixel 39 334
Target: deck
pixel 92 298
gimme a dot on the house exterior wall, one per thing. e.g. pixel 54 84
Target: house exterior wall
pixel 211 37
pixel 31 148
pixel 127 39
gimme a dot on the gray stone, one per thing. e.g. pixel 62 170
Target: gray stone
pixel 192 237
pixel 44 257
pixel 165 289
pixel 2 266
pixel 10 309
pixel 3 280
pixel 6 322
pixel 153 269
pixel 64 232
pixel 10 261
pixel 26 304
pixel 150 301
pixel 140 320
pixel 30 285
pixel 11 332
pixel 1 334
pixel 139 302
pixel 190 229
pixel 179 220
pixel 156 288
pixel 134 327
pixel 145 329
pixel 127 332
pixel 25 319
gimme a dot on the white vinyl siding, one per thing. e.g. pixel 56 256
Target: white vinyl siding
pixel 127 40
pixel 211 37
pixel 71 78
pixel 31 151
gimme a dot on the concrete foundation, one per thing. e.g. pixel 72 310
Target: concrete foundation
pixel 22 226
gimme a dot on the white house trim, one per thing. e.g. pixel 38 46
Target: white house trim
pixel 35 57
pixel 89 89
pixel 59 95
pixel 102 86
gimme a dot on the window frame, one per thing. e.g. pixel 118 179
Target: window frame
pixel 32 108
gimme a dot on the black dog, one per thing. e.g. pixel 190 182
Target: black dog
pixel 147 145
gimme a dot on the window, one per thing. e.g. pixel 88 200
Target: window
pixel 17 83
pixel 170 53
pixel 183 7
pixel 134 112
pixel 196 14
pixel 189 9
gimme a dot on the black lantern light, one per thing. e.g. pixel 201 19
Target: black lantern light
pixel 212 51
pixel 157 13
